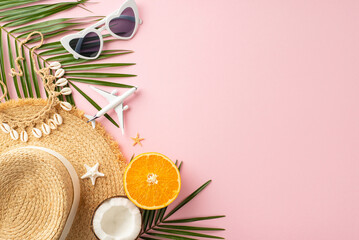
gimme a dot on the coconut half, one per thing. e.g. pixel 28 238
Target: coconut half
pixel 117 218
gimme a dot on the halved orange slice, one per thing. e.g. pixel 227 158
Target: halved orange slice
pixel 152 181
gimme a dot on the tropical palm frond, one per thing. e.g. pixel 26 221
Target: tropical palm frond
pixel 155 223
pixel 2 66
pixel 16 22
pixel 6 4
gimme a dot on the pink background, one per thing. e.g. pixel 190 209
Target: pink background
pixel 259 96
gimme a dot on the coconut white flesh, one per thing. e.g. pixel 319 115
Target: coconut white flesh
pixel 117 219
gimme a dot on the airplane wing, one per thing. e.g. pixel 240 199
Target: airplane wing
pixel 119 110
pixel 105 94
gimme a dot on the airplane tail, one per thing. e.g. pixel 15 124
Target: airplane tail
pixel 93 122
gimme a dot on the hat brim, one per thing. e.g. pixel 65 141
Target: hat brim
pixel 78 142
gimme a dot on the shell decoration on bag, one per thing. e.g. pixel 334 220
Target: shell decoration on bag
pixel 51 118
pixel 37 132
pixel 14 134
pixel 5 128
pixel 66 106
pixel 52 124
pixel 46 129
pixel 24 137
pixel 59 73
pixel 61 82
pixel 58 119
pixel 55 65
pixel 45 121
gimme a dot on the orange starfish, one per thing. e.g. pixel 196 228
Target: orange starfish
pixel 137 140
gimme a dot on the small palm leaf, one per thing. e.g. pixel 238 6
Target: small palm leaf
pixel 187 220
pixel 191 228
pixel 11 3
pixel 186 233
pixel 188 199
pixel 12 65
pixel 101 83
pixel 2 67
pixel 96 66
pixel 155 224
pixel 22 80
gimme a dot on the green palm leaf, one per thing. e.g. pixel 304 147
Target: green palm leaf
pixel 33 12
pixel 160 213
pixel 51 45
pixel 145 217
pixel 45 13
pixel 191 228
pixel 69 57
pixel 187 220
pixel 35 79
pixel 151 218
pixel 98 75
pixel 101 83
pixel 22 80
pixel 154 223
pixel 12 65
pixel 46 36
pixel 187 199
pixel 57 28
pixel 26 73
pixel 96 66
pixel 186 233
pixel 54 51
pixel 2 67
pixel 11 3
pixel 168 236
pixel 93 103
pixel 19 10
pixel 148 238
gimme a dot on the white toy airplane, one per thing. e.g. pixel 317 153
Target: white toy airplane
pixel 115 102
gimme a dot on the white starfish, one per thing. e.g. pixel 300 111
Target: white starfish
pixel 92 173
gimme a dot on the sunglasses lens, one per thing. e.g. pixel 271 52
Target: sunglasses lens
pixel 124 25
pixel 88 46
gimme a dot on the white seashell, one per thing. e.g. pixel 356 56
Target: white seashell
pixel 46 129
pixel 5 128
pixel 66 106
pixel 61 82
pixel 14 134
pixel 59 73
pixel 66 91
pixel 23 136
pixel 52 124
pixel 57 119
pixel 37 132
pixel 55 65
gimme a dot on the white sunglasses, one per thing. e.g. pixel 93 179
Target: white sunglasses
pixel 88 43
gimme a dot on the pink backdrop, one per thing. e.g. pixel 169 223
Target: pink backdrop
pixel 259 96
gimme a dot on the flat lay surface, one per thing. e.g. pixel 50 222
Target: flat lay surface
pixel 259 96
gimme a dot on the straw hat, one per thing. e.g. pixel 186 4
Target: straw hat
pixel 36 189
pixel 44 146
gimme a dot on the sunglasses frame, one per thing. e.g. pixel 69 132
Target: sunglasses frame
pixel 65 41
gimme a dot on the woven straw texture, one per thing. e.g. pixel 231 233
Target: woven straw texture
pixel 35 188
pixel 47 195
